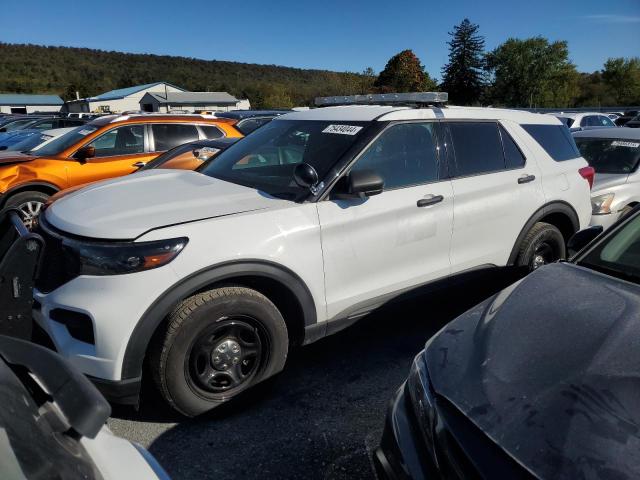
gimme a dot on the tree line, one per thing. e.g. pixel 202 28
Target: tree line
pixel 532 72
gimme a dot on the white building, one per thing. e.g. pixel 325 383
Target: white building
pixel 27 103
pixel 191 102
pixel 122 99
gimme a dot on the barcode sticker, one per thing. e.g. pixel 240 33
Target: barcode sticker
pixel 342 129
pixel 620 143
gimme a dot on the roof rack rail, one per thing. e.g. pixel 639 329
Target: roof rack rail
pixel 411 98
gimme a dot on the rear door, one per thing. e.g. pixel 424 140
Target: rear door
pixel 381 245
pixel 117 152
pixel 496 187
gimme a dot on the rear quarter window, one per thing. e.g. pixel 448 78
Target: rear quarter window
pixel 555 140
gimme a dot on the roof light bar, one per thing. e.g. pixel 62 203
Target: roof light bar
pixel 418 98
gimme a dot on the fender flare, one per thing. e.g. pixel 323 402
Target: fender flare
pixel 23 187
pixel 145 328
pixel 551 207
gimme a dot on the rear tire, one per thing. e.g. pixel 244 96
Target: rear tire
pixel 543 244
pixel 30 205
pixel 218 344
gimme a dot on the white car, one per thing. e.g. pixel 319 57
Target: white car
pixel 208 278
pixel 52 422
pixel 585 120
pixel 615 155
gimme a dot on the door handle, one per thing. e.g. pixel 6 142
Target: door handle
pixel 526 179
pixel 139 164
pixel 430 200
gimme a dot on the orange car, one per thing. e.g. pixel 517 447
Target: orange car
pixel 107 147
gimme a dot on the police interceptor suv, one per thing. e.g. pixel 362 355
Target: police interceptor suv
pixel 206 279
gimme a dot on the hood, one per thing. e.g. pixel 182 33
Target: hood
pixel 14 157
pixel 604 181
pixel 549 369
pixel 127 207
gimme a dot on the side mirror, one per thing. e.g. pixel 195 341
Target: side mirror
pixel 582 238
pixel 305 175
pixel 365 183
pixel 88 151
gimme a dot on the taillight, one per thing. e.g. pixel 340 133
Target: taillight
pixel 588 173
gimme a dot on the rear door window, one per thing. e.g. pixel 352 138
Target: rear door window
pixel 477 146
pixel 169 135
pixel 555 140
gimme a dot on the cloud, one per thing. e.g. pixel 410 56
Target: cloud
pixel 608 18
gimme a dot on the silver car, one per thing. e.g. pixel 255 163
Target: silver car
pixel 615 155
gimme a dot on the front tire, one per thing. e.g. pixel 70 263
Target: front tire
pixel 218 344
pixel 30 204
pixel 542 245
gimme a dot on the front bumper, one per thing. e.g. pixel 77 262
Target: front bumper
pixel 402 453
pixel 109 307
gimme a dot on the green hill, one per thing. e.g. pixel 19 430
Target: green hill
pixel 63 70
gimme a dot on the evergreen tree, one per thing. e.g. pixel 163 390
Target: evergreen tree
pixel 404 73
pixel 463 76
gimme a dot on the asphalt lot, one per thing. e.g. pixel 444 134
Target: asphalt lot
pixel 323 416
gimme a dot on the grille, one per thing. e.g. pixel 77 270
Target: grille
pixel 469 453
pixel 59 263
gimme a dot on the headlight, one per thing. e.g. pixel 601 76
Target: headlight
pixel 601 204
pixel 421 394
pixel 125 257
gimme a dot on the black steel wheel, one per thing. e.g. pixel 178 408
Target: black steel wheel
pixel 216 345
pixel 542 245
pixel 227 354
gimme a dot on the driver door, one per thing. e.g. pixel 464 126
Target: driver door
pixel 117 152
pixel 378 247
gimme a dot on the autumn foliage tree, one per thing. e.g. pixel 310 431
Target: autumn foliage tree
pixel 404 73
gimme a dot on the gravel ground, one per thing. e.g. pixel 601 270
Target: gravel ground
pixel 323 416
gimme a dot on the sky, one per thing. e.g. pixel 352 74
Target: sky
pixel 341 35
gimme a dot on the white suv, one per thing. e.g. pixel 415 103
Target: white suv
pixel 207 278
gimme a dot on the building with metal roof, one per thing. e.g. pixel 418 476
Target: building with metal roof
pixel 191 102
pixel 121 99
pixel 28 103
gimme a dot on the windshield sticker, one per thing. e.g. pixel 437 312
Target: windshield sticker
pixel 342 129
pixel 85 132
pixel 620 143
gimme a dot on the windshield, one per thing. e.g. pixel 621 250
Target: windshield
pixel 608 155
pixel 265 160
pixel 619 254
pixel 58 145
pixel 29 142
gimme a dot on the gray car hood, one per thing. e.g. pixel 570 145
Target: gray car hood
pixel 127 207
pixel 603 181
pixel 550 370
